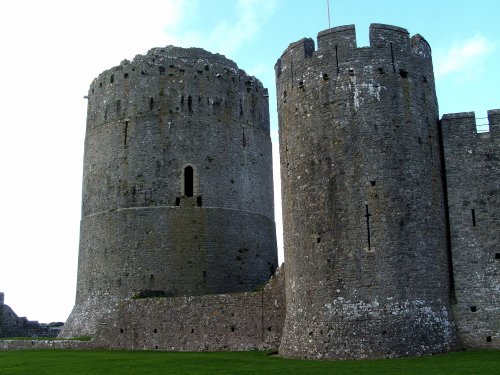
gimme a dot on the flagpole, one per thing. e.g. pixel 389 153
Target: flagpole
pixel 328 7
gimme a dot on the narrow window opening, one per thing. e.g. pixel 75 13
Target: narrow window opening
pixel 488 338
pixel 207 68
pixel 100 84
pixel 497 255
pixel 337 59
pixel 351 71
pixel 125 75
pixel 284 94
pixel 232 328
pixel 188 181
pixel 204 273
pixel 121 330
pixel 424 79
pixel 143 72
pixel 182 100
pixel 269 329
pixel 318 240
pixel 325 77
pixel 112 78
pixel 372 183
pixel 190 104
pixel 392 58
pixel 473 308
pixel 161 69
pixel 403 73
pixel 178 201
pixel 367 215
pixel 156 346
pixel 243 139
pixel 198 201
pixel 151 103
pixel 125 134
pixel 192 330
pixel 155 331
pixel 118 106
pixel 381 71
pixel 473 213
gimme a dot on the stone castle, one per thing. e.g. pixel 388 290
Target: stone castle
pixel 391 215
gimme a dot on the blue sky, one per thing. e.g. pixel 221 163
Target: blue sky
pixel 51 51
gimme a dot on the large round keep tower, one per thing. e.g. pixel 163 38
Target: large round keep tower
pixel 363 201
pixel 177 183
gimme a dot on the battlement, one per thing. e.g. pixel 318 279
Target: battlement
pixel 2 298
pixel 340 37
pixel 464 125
pixel 387 43
pixel 344 38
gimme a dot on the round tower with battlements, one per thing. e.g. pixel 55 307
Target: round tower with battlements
pixel 363 201
pixel 177 183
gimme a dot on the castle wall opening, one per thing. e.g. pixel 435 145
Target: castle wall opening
pixel 188 181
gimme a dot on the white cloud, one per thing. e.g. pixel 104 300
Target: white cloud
pixel 229 35
pixel 464 60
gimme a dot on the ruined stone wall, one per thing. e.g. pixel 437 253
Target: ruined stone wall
pixel 238 321
pixel 45 344
pixel 177 183
pixel 363 198
pixel 473 186
pixel 11 325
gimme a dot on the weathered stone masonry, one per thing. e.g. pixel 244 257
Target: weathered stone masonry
pixel 177 184
pixel 391 217
pixel 473 186
pixel 237 321
pixel 12 325
pixel 363 198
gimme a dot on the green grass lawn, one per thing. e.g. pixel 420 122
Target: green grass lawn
pixel 64 362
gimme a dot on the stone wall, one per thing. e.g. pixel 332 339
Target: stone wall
pixel 12 325
pixel 363 198
pixel 177 183
pixel 473 186
pixel 45 344
pixel 238 321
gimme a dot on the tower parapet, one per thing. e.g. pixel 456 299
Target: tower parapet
pixel 363 198
pixel 2 298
